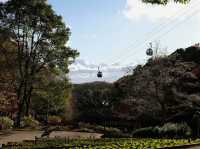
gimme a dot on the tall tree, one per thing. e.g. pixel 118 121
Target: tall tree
pixel 50 96
pixel 164 2
pixel 41 38
pixel 7 75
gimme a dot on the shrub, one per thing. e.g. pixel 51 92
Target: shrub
pixel 54 120
pixel 168 130
pixel 192 54
pixel 86 130
pixel 85 125
pixel 147 132
pixel 99 128
pixel 111 129
pixel 180 130
pixel 30 122
pixel 110 132
pixel 6 123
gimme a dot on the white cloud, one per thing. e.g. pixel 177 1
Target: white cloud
pixel 136 10
pixel 3 1
pixel 82 71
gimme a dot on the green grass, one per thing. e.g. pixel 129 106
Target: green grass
pixel 102 144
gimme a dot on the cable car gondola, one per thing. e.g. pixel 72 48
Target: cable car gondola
pixel 99 73
pixel 149 51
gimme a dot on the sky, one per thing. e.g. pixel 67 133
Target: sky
pixel 114 34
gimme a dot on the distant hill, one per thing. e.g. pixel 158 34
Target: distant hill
pixel 164 89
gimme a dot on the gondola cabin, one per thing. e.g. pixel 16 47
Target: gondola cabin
pixel 149 52
pixel 99 74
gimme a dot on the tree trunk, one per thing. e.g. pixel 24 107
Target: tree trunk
pixel 19 114
pixel 28 101
pixel 18 118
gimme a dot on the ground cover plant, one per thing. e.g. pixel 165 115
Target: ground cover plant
pixel 102 143
pixel 5 123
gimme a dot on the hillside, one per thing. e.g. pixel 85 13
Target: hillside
pixel 165 89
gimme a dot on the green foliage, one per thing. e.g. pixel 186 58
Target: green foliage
pixel 168 130
pixel 37 20
pixel 54 120
pixel 86 130
pixel 6 123
pixel 98 128
pixel 40 37
pixel 30 122
pixel 103 143
pixel 52 96
pixel 174 129
pixel 191 54
pixel 93 101
pixel 146 132
pixel 109 132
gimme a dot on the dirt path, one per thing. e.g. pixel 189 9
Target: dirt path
pixel 19 136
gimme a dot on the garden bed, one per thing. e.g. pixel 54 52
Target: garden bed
pixel 102 143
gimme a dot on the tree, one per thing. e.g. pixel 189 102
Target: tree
pixel 93 102
pixel 41 38
pixel 164 2
pixel 7 76
pixel 50 96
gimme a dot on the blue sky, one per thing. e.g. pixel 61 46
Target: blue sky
pixel 108 32
pixel 95 25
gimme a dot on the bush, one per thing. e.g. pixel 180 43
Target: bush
pixel 85 125
pixel 168 130
pixel 109 132
pixel 192 54
pixel 6 123
pixel 54 120
pixel 176 130
pixel 30 122
pixel 86 130
pixel 111 129
pixel 148 132
pixel 99 128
